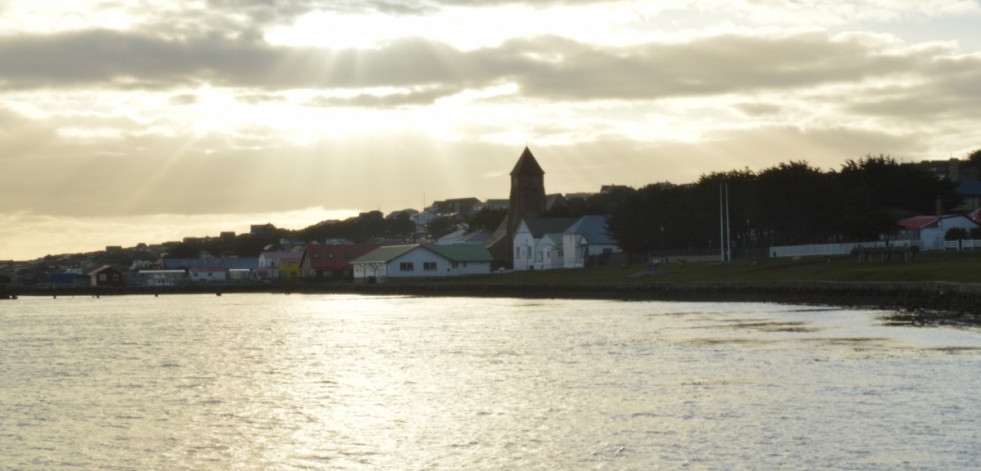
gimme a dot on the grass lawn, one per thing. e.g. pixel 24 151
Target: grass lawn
pixel 962 267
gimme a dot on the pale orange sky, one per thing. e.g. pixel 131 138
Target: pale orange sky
pixel 138 121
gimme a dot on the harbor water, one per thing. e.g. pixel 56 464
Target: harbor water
pixel 277 382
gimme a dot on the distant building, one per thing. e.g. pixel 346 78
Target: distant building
pixel 332 261
pixel 941 169
pixel 208 274
pixel 107 276
pixel 456 206
pixel 279 265
pixel 497 204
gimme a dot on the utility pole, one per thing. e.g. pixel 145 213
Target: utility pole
pixel 722 232
pixel 728 234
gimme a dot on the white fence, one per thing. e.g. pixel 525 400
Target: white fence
pixel 964 244
pixel 835 249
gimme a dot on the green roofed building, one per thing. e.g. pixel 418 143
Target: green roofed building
pixel 422 261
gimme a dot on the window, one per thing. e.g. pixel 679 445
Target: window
pixel 428 266
pixel 406 266
pixel 456 264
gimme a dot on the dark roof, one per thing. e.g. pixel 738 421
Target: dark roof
pixel 923 222
pixel 104 268
pixel 540 227
pixel 335 257
pixel 968 187
pixel 462 252
pixel 593 228
pixel 527 165
pixel 386 253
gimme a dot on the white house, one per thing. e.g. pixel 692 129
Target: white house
pixel 207 273
pixel 528 248
pixel 587 237
pixel 929 231
pixel 276 265
pixel 422 261
pixel 550 243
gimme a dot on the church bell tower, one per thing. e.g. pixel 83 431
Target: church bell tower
pixel 527 191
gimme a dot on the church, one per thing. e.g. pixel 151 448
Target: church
pixel 527 201
pixel 525 240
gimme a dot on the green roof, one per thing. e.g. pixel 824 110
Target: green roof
pixel 385 253
pixel 453 253
pixel 462 252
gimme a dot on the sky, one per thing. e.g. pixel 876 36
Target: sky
pixel 128 121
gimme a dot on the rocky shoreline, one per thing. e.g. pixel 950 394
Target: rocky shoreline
pixel 916 301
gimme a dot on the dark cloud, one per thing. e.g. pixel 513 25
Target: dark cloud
pixel 184 99
pixel 99 57
pixel 757 109
pixel 257 98
pixel 415 97
pixel 545 67
pixel 952 92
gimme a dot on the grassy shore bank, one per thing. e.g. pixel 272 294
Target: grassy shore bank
pixel 933 287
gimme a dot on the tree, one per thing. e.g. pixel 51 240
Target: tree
pixel 441 226
pixel 184 250
pixel 400 226
pixel 487 219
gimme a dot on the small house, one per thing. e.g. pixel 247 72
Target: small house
pixel 332 260
pixel 207 274
pixel 422 261
pixel 930 231
pixel 107 276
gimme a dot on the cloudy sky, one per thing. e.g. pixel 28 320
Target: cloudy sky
pixel 126 121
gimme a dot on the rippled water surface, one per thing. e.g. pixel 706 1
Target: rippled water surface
pixel 347 382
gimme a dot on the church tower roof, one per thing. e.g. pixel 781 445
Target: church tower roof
pixel 527 165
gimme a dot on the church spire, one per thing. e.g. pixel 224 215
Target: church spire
pixel 527 165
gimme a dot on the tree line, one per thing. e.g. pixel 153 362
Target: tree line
pixel 788 204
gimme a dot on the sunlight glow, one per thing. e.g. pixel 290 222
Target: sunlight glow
pixel 53 235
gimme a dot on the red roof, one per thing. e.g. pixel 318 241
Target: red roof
pixel 335 257
pixel 921 222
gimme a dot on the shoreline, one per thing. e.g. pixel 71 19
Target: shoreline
pixel 919 301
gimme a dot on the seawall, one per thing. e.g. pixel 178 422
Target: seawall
pixel 956 302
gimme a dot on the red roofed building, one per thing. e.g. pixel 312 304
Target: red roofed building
pixel 930 230
pixel 332 261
